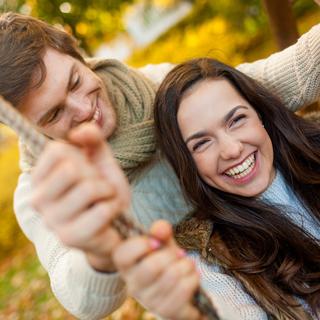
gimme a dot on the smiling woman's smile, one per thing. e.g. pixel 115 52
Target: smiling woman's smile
pixel 224 134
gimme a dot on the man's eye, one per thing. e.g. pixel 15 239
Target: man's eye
pixel 200 143
pixel 54 115
pixel 76 83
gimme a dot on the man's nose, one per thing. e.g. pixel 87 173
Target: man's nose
pixel 81 108
pixel 230 147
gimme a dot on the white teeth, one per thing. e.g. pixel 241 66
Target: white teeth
pixel 96 115
pixel 243 169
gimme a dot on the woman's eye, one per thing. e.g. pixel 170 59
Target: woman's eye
pixel 197 145
pixel 237 119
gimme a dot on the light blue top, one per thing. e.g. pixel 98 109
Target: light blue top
pixel 282 194
pixel 169 203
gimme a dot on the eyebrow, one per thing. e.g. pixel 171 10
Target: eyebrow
pixel 45 116
pixel 225 119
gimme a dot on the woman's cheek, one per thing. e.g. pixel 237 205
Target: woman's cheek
pixel 206 164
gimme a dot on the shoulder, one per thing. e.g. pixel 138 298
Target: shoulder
pixel 156 194
pixel 156 72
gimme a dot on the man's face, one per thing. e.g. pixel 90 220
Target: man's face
pixel 70 95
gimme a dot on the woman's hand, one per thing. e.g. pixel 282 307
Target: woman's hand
pixel 79 189
pixel 158 273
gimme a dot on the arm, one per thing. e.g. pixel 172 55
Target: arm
pixel 84 292
pixel 156 195
pixel 78 193
pixel 294 73
pixel 164 280
pixel 156 72
pixel 158 274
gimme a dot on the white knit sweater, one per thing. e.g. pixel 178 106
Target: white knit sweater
pixel 292 74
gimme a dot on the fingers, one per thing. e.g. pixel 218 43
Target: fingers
pixel 159 274
pixel 91 229
pixel 79 189
pixel 161 230
pixel 89 137
pixel 86 135
pixel 173 274
pixel 62 207
pixel 54 153
pixel 142 269
pixel 177 303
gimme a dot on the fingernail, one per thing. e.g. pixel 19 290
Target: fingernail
pixel 155 244
pixel 181 253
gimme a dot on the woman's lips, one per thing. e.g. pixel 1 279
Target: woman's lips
pixel 252 171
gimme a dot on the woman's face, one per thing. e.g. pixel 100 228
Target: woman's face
pixel 224 134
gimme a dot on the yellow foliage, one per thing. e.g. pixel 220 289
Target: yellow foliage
pixel 218 25
pixel 164 3
pixel 11 237
pixel 82 28
pixel 213 38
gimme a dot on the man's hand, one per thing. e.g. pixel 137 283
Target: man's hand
pixel 79 189
pixel 158 274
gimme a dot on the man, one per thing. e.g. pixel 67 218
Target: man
pixel 46 78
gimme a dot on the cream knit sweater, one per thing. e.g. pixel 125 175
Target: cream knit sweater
pixel 293 74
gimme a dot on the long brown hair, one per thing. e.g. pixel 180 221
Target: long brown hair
pixel 23 41
pixel 276 261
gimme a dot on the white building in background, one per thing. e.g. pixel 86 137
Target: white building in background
pixel 144 22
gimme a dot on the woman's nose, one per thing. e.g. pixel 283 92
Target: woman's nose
pixel 230 148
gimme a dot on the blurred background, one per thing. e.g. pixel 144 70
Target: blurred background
pixel 137 32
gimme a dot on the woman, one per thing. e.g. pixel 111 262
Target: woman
pixel 75 281
pixel 251 170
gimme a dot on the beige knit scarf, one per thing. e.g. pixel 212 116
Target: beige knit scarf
pixel 132 95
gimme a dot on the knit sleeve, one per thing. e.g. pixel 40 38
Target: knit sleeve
pixel 227 293
pixel 156 72
pixel 85 293
pixel 292 74
pixel 156 194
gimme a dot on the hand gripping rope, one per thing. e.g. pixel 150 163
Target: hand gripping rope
pixel 126 226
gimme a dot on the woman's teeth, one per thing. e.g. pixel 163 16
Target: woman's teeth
pixel 243 169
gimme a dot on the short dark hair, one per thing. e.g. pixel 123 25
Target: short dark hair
pixel 23 41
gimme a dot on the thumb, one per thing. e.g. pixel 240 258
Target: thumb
pixel 89 137
pixel 161 230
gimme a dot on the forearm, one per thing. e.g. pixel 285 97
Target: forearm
pixel 292 74
pixel 84 292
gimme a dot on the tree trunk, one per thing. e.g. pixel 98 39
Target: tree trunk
pixel 282 22
pixel 284 29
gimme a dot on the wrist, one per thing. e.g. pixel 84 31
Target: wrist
pixel 101 263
